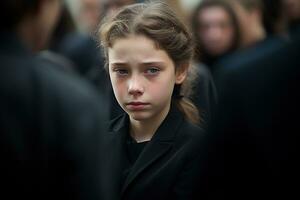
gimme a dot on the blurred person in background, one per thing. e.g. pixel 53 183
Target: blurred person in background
pixel 275 18
pixel 292 11
pixel 89 15
pixel 216 31
pixel 255 40
pixel 73 44
pixel 252 149
pixel 51 54
pixel 250 18
pixel 50 122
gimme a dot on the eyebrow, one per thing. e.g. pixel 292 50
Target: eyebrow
pixel 143 63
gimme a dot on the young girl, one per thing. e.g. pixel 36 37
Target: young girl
pixel 151 150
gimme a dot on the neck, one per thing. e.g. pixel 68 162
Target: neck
pixel 144 130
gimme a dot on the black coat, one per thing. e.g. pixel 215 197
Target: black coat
pixel 167 168
pixel 50 125
pixel 252 149
pixel 204 92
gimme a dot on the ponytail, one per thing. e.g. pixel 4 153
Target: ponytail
pixel 186 106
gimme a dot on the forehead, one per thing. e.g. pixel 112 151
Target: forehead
pixel 136 48
pixel 213 13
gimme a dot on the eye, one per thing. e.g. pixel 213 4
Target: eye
pixel 121 72
pixel 152 71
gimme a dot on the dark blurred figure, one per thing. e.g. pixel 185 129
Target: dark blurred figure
pixel 216 31
pixel 256 43
pixel 204 93
pixel 78 49
pixel 292 11
pixel 274 17
pixel 50 123
pixel 50 54
pixel 216 34
pixel 64 26
pixel 251 150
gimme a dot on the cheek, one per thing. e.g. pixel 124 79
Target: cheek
pixel 162 89
pixel 229 34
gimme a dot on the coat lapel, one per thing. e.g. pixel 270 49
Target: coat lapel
pixel 158 146
pixel 115 158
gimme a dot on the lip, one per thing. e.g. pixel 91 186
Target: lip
pixel 136 105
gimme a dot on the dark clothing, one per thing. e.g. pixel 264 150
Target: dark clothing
pixel 82 50
pixel 50 125
pixel 133 150
pixel 249 54
pixel 88 60
pixel 167 167
pixel 252 149
pixel 204 93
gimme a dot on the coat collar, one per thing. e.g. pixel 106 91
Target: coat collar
pixel 158 146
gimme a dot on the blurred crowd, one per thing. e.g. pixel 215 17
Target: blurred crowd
pixel 228 35
pixel 223 30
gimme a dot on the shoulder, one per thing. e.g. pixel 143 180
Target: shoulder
pixel 189 135
pixel 236 60
pixel 68 87
pixel 68 98
pixel 192 131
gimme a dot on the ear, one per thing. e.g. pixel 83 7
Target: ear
pixel 181 73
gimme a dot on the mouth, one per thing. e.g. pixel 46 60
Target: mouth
pixel 136 105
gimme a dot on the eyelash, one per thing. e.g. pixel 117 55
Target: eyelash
pixel 121 72
pixel 151 71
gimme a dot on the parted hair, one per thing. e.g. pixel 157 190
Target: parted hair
pixel 159 23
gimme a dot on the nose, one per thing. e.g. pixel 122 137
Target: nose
pixel 135 86
pixel 215 33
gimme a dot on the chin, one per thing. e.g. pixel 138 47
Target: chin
pixel 139 116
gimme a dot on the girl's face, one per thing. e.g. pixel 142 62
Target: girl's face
pixel 143 77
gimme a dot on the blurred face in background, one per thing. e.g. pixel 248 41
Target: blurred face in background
pixel 292 9
pixel 89 17
pixel 216 30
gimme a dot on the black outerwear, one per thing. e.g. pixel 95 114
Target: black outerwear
pixel 167 168
pixel 252 148
pixel 50 127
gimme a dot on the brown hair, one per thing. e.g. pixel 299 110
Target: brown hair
pixel 158 22
pixel 250 4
